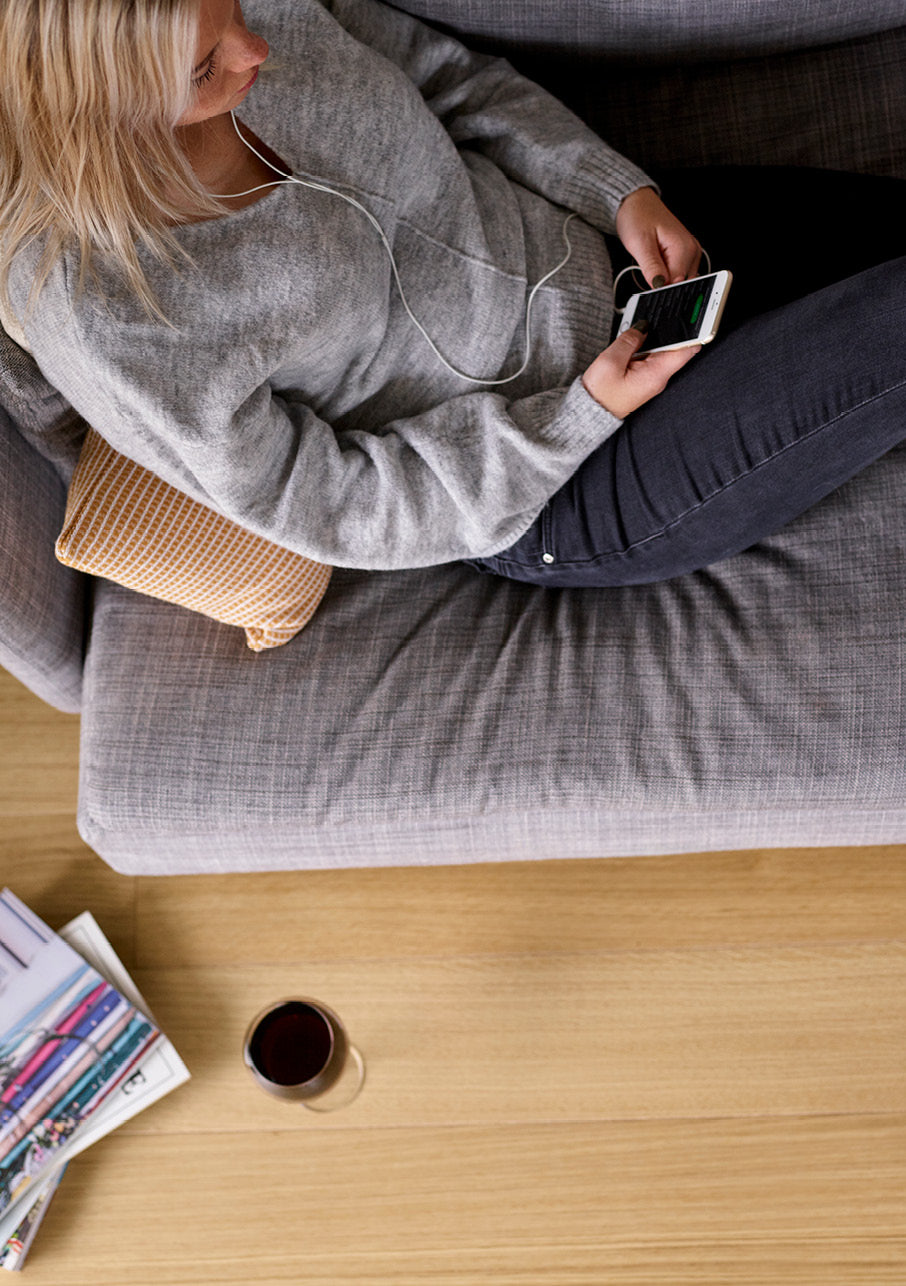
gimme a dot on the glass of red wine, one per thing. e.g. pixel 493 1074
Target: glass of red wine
pixel 299 1050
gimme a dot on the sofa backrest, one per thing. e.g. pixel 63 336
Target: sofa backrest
pixel 662 30
pixel 679 83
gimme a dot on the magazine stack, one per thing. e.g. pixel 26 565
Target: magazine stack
pixel 79 1054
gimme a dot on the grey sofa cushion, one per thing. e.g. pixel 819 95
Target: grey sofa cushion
pixel 441 716
pixel 42 623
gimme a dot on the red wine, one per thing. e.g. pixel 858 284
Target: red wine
pixel 292 1044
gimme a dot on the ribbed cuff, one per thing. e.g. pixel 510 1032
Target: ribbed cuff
pixel 570 421
pixel 598 188
pixel 582 422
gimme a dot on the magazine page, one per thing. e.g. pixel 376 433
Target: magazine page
pixel 40 1195
pixel 158 1072
pixel 67 1039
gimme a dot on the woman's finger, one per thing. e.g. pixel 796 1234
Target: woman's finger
pixel 682 254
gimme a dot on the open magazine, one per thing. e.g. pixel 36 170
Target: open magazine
pixel 66 1083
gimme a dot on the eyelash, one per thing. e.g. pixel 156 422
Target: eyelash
pixel 205 75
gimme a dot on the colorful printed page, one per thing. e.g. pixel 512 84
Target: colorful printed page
pixel 67 1039
pixel 16 1247
pixel 159 1072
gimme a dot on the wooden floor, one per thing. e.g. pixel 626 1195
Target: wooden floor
pixel 661 1071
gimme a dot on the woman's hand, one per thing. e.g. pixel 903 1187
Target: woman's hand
pixel 621 382
pixel 667 253
pixel 661 246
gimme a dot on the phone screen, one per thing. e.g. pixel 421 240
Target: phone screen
pixel 675 313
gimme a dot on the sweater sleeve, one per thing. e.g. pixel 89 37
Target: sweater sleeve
pixel 486 106
pixel 464 479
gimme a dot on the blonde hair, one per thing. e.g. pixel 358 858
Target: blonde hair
pixel 91 92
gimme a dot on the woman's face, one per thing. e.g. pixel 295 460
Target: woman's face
pixel 227 58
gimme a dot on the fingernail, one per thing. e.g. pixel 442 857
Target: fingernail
pixel 640 325
pixel 658 282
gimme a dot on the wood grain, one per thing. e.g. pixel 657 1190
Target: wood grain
pixel 699 1033
pixel 520 1203
pixel 766 896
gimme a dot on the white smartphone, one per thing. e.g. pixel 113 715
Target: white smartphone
pixel 681 315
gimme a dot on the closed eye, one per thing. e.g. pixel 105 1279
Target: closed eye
pixel 207 74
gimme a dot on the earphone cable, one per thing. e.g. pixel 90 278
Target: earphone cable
pixel 322 187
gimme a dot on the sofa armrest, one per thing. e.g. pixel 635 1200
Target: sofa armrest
pixel 42 603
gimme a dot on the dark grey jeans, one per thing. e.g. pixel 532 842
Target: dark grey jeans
pixel 781 409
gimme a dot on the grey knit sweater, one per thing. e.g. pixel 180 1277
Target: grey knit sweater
pixel 292 391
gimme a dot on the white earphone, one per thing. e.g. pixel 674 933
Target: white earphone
pixel 473 379
pixel 322 187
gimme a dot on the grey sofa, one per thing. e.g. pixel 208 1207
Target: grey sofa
pixel 441 716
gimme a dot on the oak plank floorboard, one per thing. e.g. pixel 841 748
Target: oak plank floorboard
pixel 770 895
pixel 619 1036
pixel 46 863
pixel 411 1206
pixel 42 857
pixel 38 754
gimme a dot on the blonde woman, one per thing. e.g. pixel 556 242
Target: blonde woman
pixel 293 267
